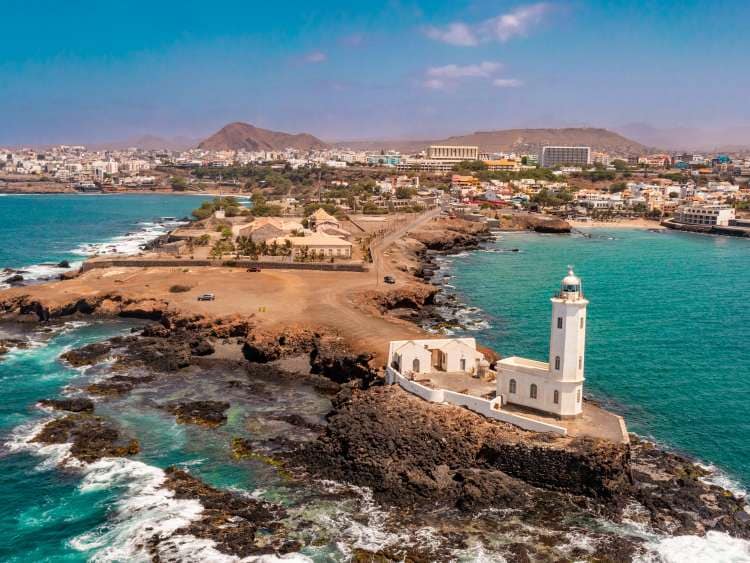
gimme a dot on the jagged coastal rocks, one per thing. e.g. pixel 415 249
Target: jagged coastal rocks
pixel 419 459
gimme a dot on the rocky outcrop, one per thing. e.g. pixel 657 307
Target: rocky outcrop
pixel 535 222
pixel 239 525
pixel 333 360
pixel 87 355
pixel 204 413
pixel 91 437
pixel 449 455
pixel 440 455
pixel 78 404
pixel 411 296
pixel 26 308
pixel 450 234
pixel 266 346
pixel 676 497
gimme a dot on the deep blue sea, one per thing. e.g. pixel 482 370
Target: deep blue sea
pixel 668 326
pixel 667 346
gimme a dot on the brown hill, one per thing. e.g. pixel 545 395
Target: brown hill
pixel 243 136
pixel 520 140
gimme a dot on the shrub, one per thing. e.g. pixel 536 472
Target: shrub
pixel 177 288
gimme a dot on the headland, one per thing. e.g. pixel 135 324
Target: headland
pixel 331 330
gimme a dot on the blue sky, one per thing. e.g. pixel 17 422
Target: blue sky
pixel 91 71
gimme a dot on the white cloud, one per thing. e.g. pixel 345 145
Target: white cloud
pixel 503 27
pixel 507 82
pixel 456 33
pixel 482 70
pixel 316 57
pixel 516 23
pixel 449 77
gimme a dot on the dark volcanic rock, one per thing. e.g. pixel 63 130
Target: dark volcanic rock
pixel 156 353
pixel 264 346
pixel 672 490
pixel 240 525
pixel 444 454
pixel 201 347
pixel 88 355
pixel 92 437
pixel 332 359
pixel 79 404
pixel 156 330
pixel 63 264
pixel 206 413
pixel 118 385
pixel 14 279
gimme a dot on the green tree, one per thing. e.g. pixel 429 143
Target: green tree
pixel 178 183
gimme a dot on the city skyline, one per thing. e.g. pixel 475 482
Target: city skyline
pixel 93 73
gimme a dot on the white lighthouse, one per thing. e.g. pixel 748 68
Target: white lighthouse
pixel 556 386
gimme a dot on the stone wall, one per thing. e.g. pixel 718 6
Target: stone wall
pixel 481 406
pixel 185 263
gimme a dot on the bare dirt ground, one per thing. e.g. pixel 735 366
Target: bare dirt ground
pixel 274 298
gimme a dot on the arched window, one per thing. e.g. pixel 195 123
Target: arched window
pixel 463 364
pixel 578 396
pixel 557 362
pixel 580 362
pixel 556 397
pixel 512 386
pixel 415 365
pixel 532 391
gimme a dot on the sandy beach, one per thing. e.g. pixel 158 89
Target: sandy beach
pixel 619 224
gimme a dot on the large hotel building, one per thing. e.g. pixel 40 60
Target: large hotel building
pixel 456 153
pixel 555 156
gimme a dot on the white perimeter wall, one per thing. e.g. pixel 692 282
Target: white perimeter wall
pixel 484 407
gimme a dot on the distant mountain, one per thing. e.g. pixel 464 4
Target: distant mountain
pixel 243 136
pixel 689 138
pixel 518 140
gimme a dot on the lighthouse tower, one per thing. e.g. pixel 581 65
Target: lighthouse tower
pixel 568 340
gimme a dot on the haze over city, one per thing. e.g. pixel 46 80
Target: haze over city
pixel 352 70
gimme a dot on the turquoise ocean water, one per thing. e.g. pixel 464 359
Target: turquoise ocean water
pixel 668 327
pixel 38 229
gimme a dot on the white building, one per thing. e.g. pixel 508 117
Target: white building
pixel 412 357
pixel 454 153
pixel 556 386
pixel 706 215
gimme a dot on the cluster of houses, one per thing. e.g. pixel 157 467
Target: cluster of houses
pixel 322 236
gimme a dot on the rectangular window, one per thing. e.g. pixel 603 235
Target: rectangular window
pixel 580 362
pixel 559 322
pixel 581 322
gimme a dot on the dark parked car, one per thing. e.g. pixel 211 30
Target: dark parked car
pixel 254 269
pixel 389 279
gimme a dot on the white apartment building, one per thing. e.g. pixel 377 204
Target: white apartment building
pixel 456 153
pixel 705 215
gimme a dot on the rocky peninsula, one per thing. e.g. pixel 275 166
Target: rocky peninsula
pixel 427 465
